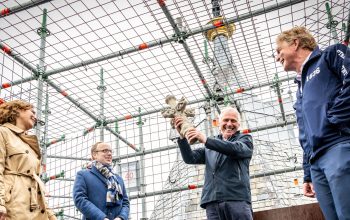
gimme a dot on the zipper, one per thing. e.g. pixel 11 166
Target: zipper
pixel 239 173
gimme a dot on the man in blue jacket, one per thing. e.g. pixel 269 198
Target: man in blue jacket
pixel 323 116
pixel 226 191
pixel 98 193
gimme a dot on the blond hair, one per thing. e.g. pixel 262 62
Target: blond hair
pixel 94 147
pixel 9 111
pixel 306 40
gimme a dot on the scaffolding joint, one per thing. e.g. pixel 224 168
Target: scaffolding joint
pixel 59 213
pixel 101 88
pixel 43 31
pixel 332 24
pixel 40 72
pixel 45 178
pixel 180 38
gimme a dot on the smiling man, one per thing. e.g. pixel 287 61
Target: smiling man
pixel 323 116
pixel 226 191
pixel 99 193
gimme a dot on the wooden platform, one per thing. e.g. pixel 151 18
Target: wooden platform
pixel 302 212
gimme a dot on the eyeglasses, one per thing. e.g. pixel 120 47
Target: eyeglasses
pixel 105 151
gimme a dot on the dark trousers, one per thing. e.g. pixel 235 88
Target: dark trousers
pixel 229 210
pixel 331 179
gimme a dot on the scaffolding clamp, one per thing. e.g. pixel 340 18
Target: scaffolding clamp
pixel 103 88
pixel 42 30
pixel 45 179
pixel 62 138
pixel 180 38
pixel 59 214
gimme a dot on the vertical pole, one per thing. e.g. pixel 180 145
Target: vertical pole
pixel 226 97
pixel 117 142
pixel 206 50
pixel 331 23
pixel 142 166
pixel 279 96
pixel 347 31
pixel 43 32
pixel 102 89
pixel 208 112
pixel 45 138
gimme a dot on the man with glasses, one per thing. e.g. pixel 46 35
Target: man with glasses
pixel 98 192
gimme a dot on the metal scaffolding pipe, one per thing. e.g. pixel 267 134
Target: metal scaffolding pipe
pixel 266 127
pixel 332 24
pixel 121 138
pixel 16 82
pixel 21 7
pixel 46 126
pixel 102 89
pixel 16 57
pixel 247 16
pixel 169 39
pixel 160 149
pixel 179 34
pixel 43 33
pixel 65 94
pixel 347 31
pixel 109 56
pixel 239 90
pixel 279 96
pixel 160 192
pixel 170 147
pixel 142 167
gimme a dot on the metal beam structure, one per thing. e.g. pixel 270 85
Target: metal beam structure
pixel 171 147
pixel 263 174
pixel 21 7
pixel 173 190
pixel 237 91
pixel 178 35
pixel 65 94
pixel 151 44
pixel 169 39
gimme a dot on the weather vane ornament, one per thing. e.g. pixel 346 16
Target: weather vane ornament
pixel 178 108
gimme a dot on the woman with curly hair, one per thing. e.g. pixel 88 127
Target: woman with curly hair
pixel 21 190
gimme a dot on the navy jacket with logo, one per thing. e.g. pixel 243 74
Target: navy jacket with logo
pixel 323 102
pixel 226 167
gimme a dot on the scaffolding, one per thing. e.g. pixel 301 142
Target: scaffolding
pixel 100 70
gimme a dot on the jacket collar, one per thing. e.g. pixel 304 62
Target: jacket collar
pixel 13 128
pixel 31 140
pixel 97 173
pixel 230 138
pixel 315 53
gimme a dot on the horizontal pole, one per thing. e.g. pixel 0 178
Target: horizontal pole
pixel 174 146
pixel 22 7
pixel 238 90
pixel 161 192
pixel 169 39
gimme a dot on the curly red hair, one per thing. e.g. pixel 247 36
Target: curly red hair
pixel 9 111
